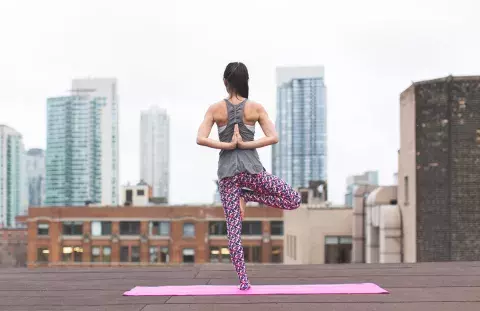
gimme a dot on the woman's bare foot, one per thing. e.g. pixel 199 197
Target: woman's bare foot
pixel 242 208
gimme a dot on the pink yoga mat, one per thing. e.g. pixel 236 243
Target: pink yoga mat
pixel 215 290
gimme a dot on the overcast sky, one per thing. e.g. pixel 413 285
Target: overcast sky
pixel 173 53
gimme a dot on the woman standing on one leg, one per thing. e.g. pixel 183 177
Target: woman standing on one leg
pixel 239 166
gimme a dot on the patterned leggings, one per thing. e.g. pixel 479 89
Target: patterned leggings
pixel 266 189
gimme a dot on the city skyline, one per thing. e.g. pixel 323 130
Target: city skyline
pixel 370 56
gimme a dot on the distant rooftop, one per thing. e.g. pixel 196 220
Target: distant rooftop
pixel 286 74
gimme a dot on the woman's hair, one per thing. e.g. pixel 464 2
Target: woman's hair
pixel 236 79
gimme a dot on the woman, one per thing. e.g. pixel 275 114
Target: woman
pixel 241 175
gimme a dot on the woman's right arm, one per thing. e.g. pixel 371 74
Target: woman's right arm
pixel 204 132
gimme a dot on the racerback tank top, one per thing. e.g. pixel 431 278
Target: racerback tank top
pixel 233 162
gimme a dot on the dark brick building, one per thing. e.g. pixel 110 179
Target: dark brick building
pixel 439 169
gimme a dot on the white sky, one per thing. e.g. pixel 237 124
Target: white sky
pixel 173 53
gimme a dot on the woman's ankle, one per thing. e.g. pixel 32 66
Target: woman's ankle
pixel 244 286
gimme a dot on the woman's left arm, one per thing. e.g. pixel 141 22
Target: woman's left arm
pixel 268 128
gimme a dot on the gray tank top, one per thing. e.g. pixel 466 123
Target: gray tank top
pixel 233 162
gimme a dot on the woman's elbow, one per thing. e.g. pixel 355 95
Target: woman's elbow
pixel 275 139
pixel 199 141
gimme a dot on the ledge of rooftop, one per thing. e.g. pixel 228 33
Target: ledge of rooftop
pixel 412 287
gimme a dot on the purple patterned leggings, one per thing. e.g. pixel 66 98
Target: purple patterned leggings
pixel 266 189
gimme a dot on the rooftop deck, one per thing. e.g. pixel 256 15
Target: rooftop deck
pixel 413 287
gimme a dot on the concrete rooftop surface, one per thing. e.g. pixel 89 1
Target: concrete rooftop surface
pixel 412 287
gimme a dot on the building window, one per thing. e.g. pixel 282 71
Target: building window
pixel 292 247
pixel 72 253
pixel 129 227
pixel 101 254
pixel 219 254
pixel 256 254
pixel 217 228
pixel 252 228
pixel 42 255
pixel 246 254
pixel 159 254
pixel 43 229
pixel 277 255
pixel 405 179
pixel 188 230
pixel 159 228
pixel 72 228
pixel 128 197
pixel 124 250
pixel 276 227
pixel 96 254
pixel 304 197
pixel 288 245
pixel 107 254
pixel 129 254
pixel 338 249
pixel 252 253
pixel 140 192
pixel 100 228
pixel 188 255
pixel 135 257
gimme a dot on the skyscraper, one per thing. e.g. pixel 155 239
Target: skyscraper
pixel 155 150
pixel 106 88
pixel 301 122
pixel 35 159
pixel 73 167
pixel 13 199
pixel 82 145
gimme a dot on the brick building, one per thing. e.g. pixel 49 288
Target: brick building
pixel 439 170
pixel 13 247
pixel 90 236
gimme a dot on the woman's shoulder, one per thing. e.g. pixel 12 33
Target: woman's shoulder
pixel 254 105
pixel 215 106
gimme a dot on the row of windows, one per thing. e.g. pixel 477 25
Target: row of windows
pixel 248 228
pixel 157 254
pixel 158 228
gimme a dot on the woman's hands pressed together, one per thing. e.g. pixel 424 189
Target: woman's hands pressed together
pixel 237 140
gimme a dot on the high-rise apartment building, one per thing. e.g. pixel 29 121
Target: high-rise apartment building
pixel 155 150
pixel 82 145
pixel 109 147
pixel 73 165
pixel 301 122
pixel 13 195
pixel 35 159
